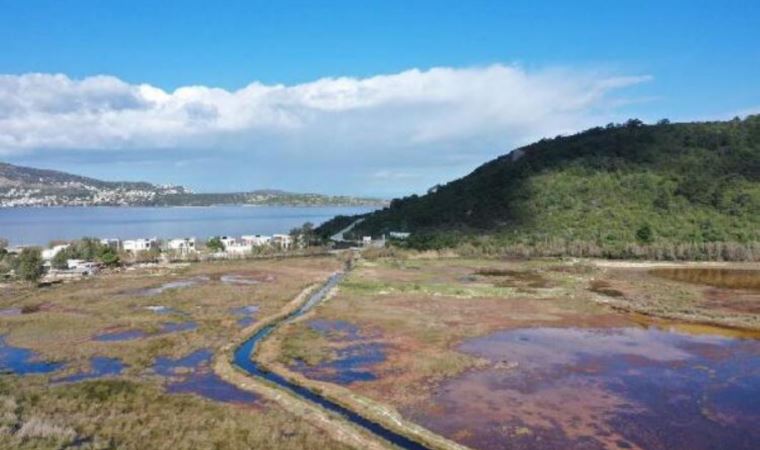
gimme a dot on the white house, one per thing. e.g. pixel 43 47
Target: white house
pixel 228 241
pixel 49 253
pixel 183 245
pixel 366 241
pixel 283 241
pixel 81 266
pixel 140 245
pixel 113 243
pixel 238 249
pixel 256 240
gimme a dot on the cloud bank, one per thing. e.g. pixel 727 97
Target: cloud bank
pixel 396 124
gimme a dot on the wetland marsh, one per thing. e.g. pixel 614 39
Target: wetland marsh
pixel 539 354
pixel 484 353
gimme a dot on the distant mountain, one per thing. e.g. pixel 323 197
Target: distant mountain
pixel 603 190
pixel 26 186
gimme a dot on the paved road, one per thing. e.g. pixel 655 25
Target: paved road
pixel 338 237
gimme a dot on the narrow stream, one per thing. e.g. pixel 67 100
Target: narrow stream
pixel 243 360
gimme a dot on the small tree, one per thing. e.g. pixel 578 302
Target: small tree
pixel 88 248
pixel 215 244
pixel 304 236
pixel 61 259
pixel 645 235
pixel 29 265
pixel 108 256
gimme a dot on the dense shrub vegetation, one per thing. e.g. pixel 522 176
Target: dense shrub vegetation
pixel 667 191
pixel 87 249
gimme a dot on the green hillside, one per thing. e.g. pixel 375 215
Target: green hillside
pixel 621 190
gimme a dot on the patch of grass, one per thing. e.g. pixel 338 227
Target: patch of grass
pixel 605 288
pixel 136 415
pixel 304 344
pixel 30 309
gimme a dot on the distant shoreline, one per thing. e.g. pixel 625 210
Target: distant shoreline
pixel 216 205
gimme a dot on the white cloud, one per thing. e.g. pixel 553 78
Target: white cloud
pixel 431 123
pixel 407 109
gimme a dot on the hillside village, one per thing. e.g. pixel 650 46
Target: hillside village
pixel 76 194
pixel 30 187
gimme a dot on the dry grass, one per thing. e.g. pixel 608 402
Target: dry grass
pixel 639 290
pixel 132 411
pixel 134 415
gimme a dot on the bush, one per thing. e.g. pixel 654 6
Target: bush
pixel 215 244
pixel 29 265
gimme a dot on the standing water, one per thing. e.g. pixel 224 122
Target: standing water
pixel 578 388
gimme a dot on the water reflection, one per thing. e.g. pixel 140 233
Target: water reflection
pixel 10 312
pixel 100 366
pixel 602 388
pixel 178 284
pixel 21 361
pixel 353 360
pixel 130 335
pixel 246 314
pixel 192 374
pixel 238 280
pixel 723 278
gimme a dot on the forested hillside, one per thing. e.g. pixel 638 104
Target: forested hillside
pixel 620 190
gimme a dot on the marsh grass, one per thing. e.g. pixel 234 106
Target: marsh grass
pixel 420 309
pixel 304 344
pixel 133 415
pixel 132 411
pixel 424 308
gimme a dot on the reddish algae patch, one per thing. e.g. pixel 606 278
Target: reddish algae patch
pixel 601 388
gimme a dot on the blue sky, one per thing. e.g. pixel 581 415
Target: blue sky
pixel 375 98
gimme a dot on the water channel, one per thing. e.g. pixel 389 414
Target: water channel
pixel 243 360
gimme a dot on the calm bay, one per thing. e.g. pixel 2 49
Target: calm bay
pixel 38 226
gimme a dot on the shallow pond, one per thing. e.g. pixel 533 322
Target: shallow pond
pixel 178 284
pixel 118 336
pixel 601 388
pixel 22 361
pixel 10 312
pixel 130 335
pixel 723 278
pixel 176 327
pixel 246 314
pixel 238 280
pixel 170 366
pixel 353 361
pixel 100 366
pixel 192 374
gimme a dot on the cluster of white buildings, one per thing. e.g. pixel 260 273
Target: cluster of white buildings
pixel 237 246
pixel 247 243
pixel 184 246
